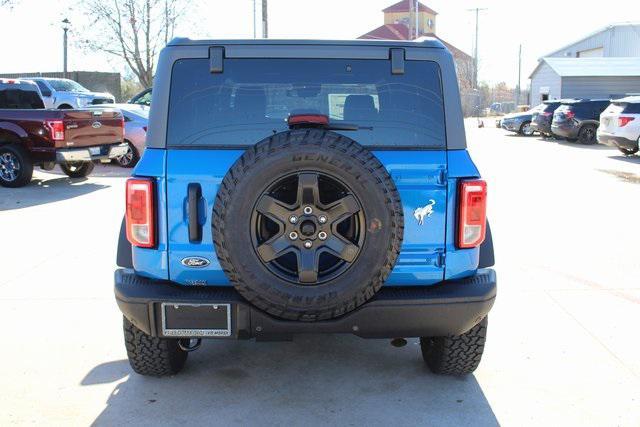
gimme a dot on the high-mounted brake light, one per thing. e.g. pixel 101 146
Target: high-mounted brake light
pixel 308 119
pixel 472 213
pixel 56 130
pixel 623 120
pixel 140 215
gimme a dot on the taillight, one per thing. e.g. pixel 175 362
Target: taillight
pixel 623 120
pixel 140 212
pixel 56 130
pixel 472 213
pixel 122 126
pixel 569 114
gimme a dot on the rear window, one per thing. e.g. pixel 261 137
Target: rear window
pixel 20 97
pixel 253 98
pixel 549 108
pixel 632 108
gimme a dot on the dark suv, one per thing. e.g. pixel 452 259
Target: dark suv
pixel 578 120
pixel 542 117
pixel 295 187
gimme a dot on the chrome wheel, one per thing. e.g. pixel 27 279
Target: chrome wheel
pixel 526 129
pixel 126 159
pixel 9 167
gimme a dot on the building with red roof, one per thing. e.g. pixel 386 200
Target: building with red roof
pixel 400 24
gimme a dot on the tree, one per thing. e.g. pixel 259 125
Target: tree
pixel 133 30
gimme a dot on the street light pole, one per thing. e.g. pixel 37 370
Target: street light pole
pixel 475 51
pixel 65 28
pixel 265 20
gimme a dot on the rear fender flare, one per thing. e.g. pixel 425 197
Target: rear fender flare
pixel 486 257
pixel 124 256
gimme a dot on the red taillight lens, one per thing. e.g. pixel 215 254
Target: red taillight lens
pixel 122 126
pixel 140 214
pixel 56 130
pixel 472 213
pixel 623 120
pixel 569 114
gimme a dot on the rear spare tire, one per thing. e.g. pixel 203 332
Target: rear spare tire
pixel 307 224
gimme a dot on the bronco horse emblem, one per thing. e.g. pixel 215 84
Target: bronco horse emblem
pixel 425 211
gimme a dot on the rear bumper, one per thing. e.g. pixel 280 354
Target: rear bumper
pixel 617 141
pixel 88 154
pixel 565 131
pixel 450 308
pixel 541 126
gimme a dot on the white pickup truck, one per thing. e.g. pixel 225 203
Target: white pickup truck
pixel 67 94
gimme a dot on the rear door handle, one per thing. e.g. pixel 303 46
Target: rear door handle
pixel 194 194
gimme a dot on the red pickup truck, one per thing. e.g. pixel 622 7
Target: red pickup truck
pixel 33 136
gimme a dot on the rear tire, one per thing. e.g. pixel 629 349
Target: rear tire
pixel 525 129
pixel 152 356
pixel 130 159
pixel 455 354
pixel 16 167
pixel 77 169
pixel 587 135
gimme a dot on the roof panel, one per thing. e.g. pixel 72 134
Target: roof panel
pixel 595 67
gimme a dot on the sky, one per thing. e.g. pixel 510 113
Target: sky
pixel 31 35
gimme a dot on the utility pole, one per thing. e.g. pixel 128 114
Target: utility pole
pixel 254 19
pixel 65 28
pixel 411 21
pixel 417 19
pixel 475 50
pixel 518 89
pixel 265 29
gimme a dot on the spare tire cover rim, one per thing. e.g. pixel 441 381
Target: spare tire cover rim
pixel 307 227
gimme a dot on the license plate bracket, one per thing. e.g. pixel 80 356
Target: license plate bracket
pixel 196 320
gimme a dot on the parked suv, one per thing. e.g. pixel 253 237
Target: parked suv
pixel 66 93
pixel 578 120
pixel 32 136
pixel 305 187
pixel 620 125
pixel 520 123
pixel 542 117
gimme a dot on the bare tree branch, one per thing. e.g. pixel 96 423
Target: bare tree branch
pixel 132 30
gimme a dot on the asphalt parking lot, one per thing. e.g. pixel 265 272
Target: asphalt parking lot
pixel 563 337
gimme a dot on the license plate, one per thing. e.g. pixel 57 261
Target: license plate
pixel 196 320
pixel 94 151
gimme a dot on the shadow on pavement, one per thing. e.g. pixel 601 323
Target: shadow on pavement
pixel 628 159
pixel 41 191
pixel 313 380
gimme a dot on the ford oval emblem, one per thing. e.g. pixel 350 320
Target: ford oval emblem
pixel 96 125
pixel 195 262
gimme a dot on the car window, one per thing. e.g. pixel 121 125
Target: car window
pixel 144 99
pixel 253 98
pixel 20 97
pixel 44 89
pixel 64 85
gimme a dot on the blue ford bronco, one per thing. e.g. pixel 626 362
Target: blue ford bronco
pixel 305 187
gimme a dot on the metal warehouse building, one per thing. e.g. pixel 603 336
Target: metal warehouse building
pixel 605 64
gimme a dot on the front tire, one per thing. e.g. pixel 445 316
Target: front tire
pixel 455 354
pixel 77 169
pixel 152 356
pixel 16 167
